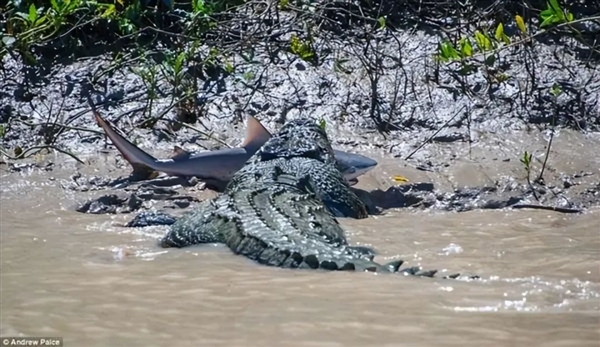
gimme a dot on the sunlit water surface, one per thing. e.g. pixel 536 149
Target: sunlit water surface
pixel 95 283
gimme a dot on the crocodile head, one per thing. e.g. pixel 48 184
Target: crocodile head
pixel 299 138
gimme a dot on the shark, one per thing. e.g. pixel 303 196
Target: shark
pixel 216 167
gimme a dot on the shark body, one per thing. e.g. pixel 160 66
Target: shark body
pixel 217 167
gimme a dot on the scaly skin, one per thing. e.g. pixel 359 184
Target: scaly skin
pixel 280 208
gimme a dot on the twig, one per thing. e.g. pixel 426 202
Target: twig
pixel 432 136
pixel 541 175
pixel 200 132
pixel 67 127
pixel 22 155
pixel 548 208
pixel 544 31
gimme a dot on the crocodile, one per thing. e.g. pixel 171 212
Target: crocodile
pixel 280 209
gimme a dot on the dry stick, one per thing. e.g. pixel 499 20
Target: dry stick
pixel 67 127
pixel 22 155
pixel 203 133
pixel 548 208
pixel 528 168
pixel 437 132
pixel 540 176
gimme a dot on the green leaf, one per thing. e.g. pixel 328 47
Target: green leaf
pixel 558 12
pixel 179 62
pixel 451 52
pixel 41 20
pixel 483 42
pixel 466 49
pixel 72 5
pixel 499 32
pixel 322 124
pixel 109 12
pixel 479 40
pixel 521 24
pixel 443 51
pixel 199 6
pixel 555 90
pixel 548 21
pixel 526 160
pixel 249 76
pixel 553 4
pixel 32 13
pixel 55 5
pixel 381 22
pixel 570 17
pixel 447 52
pixel 301 49
pixel 440 57
pixel 284 3
pixel 546 13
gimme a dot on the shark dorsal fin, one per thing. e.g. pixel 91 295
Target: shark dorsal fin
pixel 256 134
pixel 179 153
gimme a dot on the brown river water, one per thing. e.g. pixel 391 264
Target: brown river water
pixel 94 283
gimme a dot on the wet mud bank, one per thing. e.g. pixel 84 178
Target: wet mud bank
pixel 520 130
pixel 455 177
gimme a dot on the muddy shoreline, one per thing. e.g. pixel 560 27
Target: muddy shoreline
pixel 482 175
pixel 458 140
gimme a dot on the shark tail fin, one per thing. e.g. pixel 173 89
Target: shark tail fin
pixel 140 161
pixel 256 134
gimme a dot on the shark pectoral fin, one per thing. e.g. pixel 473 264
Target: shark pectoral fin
pixel 256 134
pixel 142 172
pixel 179 154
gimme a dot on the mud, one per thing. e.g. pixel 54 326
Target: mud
pixel 460 178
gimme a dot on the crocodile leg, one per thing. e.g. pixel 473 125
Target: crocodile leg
pixel 198 226
pixel 329 186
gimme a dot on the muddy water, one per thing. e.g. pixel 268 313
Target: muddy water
pixel 94 283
